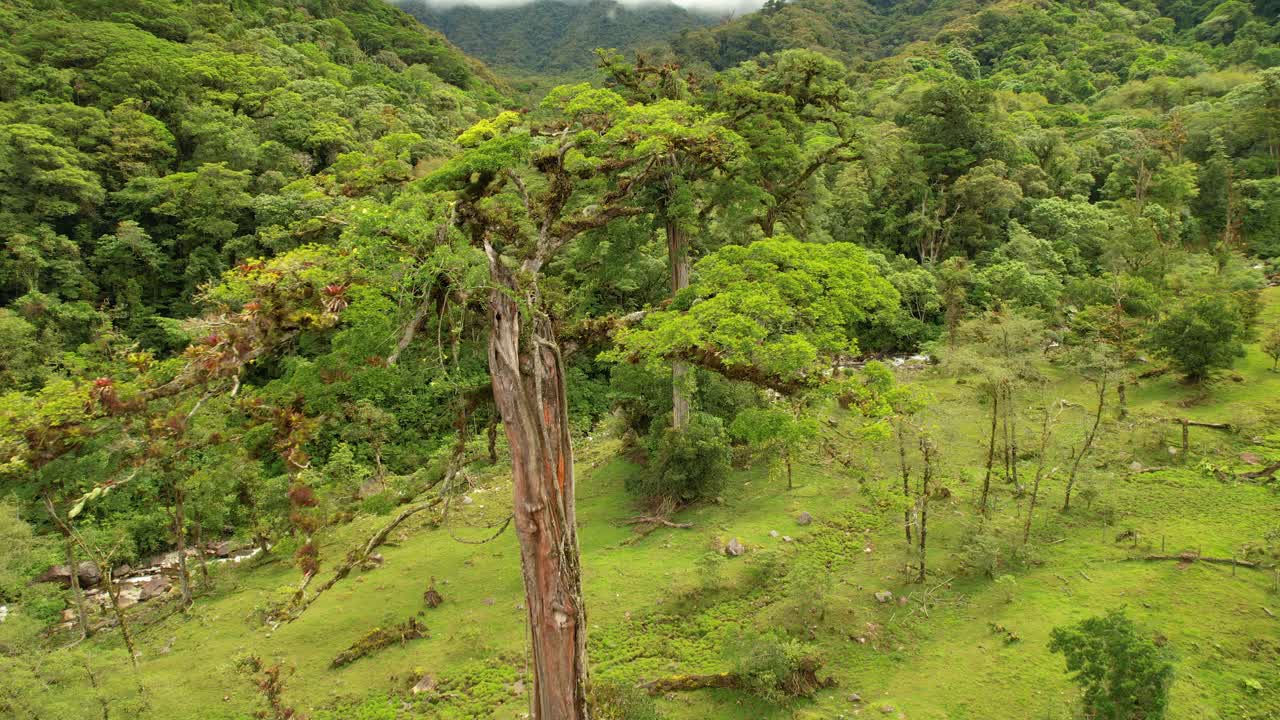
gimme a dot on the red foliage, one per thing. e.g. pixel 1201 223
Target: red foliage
pixel 302 496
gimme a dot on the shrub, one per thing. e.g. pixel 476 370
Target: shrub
pixel 770 666
pixel 685 465
pixel 1124 674
pixel 619 701
pixel 1201 335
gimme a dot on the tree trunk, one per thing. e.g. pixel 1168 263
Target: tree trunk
pixel 113 593
pixel 1045 433
pixel 493 438
pixel 991 449
pixel 201 553
pixel 786 458
pixel 1007 449
pixel 1121 388
pixel 926 476
pixel 180 540
pixel 1011 411
pixel 906 480
pixel 1088 442
pixel 82 617
pixel 529 391
pixel 678 257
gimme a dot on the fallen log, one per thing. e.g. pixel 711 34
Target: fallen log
pixel 379 638
pixel 1189 557
pixel 1266 472
pixel 802 682
pixel 681 683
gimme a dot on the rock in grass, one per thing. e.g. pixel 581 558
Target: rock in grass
pixel 734 548
pixel 426 684
pixel 884 596
pixel 804 518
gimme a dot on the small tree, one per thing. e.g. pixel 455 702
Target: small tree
pixel 1124 675
pixel 1201 335
pixel 1271 346
pixel 777 432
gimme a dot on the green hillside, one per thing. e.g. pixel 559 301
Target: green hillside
pixel 908 360
pixel 550 36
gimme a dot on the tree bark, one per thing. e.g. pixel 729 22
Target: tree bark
pixel 1122 399
pixel 906 479
pixel 678 256
pixel 180 540
pixel 926 476
pixel 991 449
pixel 529 391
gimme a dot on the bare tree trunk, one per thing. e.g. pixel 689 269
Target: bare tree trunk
pixel 180 540
pixel 82 617
pixel 1011 411
pixel 113 593
pixel 786 458
pixel 1088 442
pixel 1007 448
pixel 906 479
pixel 678 256
pixel 991 449
pixel 1121 388
pixel 201 553
pixel 493 438
pixel 928 453
pixel 529 390
pixel 1045 433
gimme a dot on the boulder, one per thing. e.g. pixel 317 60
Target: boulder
pixel 220 549
pixel 87 572
pixel 154 587
pixel 130 595
pixel 426 684
pixel 804 518
pixel 884 596
pixel 734 548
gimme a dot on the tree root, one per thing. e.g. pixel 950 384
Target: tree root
pixel 656 520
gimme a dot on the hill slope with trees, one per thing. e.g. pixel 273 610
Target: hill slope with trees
pixel 838 348
pixel 553 36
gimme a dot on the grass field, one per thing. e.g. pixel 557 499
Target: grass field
pixel 661 605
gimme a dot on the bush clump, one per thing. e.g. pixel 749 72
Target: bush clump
pixel 685 465
pixel 619 701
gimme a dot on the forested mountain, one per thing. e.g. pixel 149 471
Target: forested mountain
pixel 1042 33
pixel 840 359
pixel 552 36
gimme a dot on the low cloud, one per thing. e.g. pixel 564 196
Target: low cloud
pixel 711 7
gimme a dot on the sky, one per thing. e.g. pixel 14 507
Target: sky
pixel 718 7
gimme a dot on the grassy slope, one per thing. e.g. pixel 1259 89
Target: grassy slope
pixel 647 620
